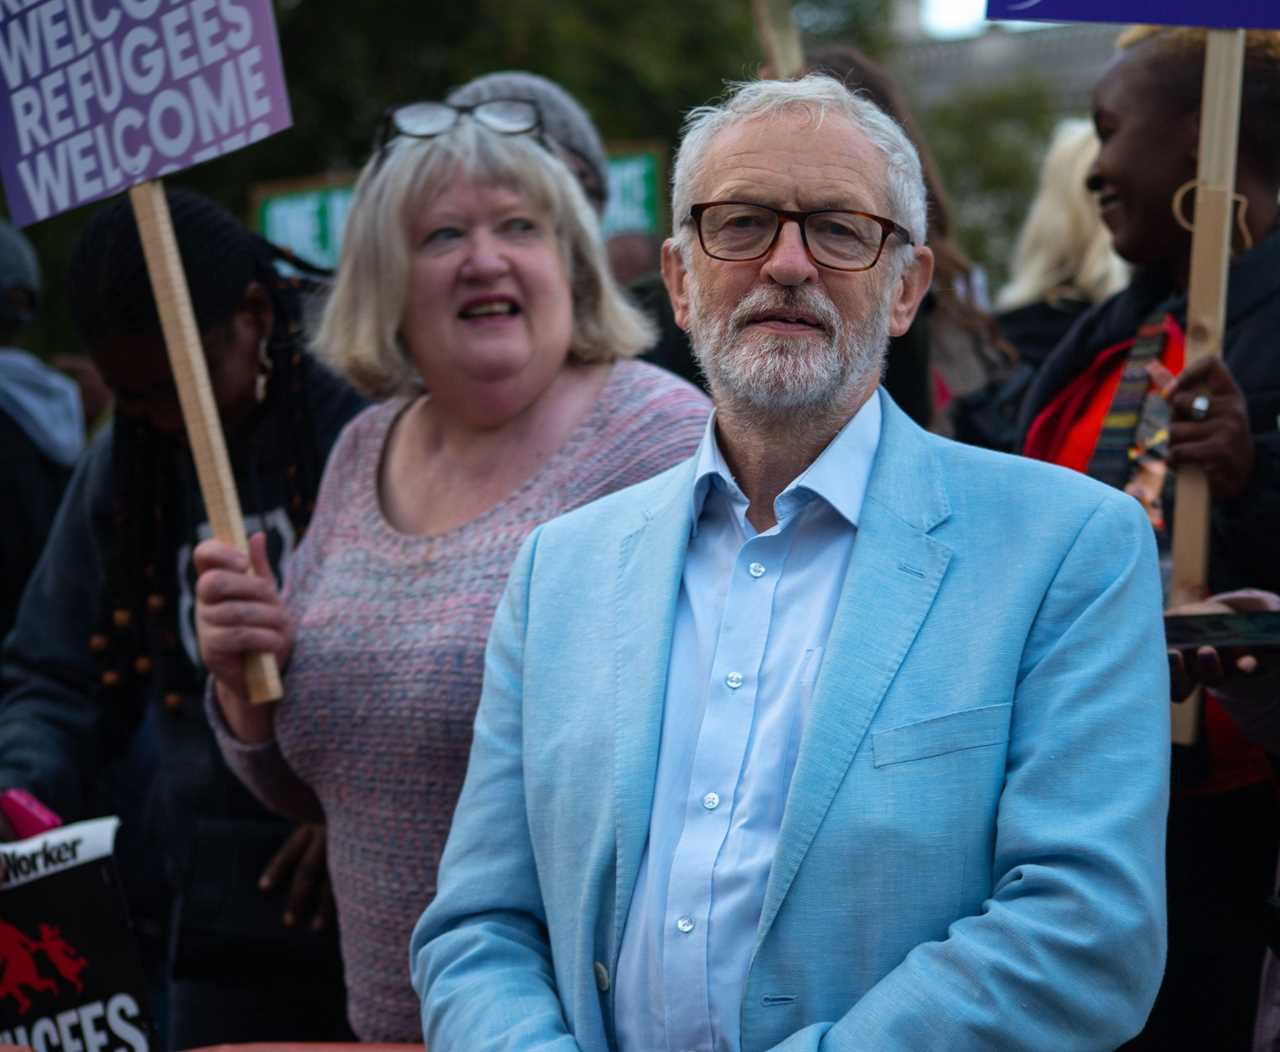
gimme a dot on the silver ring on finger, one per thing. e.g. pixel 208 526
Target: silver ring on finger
pixel 1200 407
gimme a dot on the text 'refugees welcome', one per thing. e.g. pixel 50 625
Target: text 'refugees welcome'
pixel 105 93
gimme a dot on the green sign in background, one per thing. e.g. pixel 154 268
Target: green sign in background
pixel 307 222
pixel 635 194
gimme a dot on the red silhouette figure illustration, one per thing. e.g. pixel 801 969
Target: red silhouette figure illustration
pixel 18 971
pixel 62 955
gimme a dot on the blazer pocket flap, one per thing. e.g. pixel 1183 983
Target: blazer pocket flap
pixel 966 729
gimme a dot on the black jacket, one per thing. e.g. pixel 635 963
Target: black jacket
pixel 146 749
pixel 1245 535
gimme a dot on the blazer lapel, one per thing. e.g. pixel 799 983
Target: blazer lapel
pixel 650 567
pixel 893 576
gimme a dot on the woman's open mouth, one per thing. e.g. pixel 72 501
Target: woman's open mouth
pixel 489 307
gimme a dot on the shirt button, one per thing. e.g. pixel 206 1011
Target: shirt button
pixel 602 977
pixel 756 569
pixel 711 801
pixel 684 925
pixel 733 680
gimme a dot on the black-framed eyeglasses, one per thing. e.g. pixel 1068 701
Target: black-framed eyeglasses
pixel 738 231
pixel 426 120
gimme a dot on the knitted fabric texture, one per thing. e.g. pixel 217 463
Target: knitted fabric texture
pixel 384 681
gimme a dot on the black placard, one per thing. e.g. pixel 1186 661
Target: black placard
pixel 70 977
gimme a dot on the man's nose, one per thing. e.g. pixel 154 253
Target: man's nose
pixel 788 262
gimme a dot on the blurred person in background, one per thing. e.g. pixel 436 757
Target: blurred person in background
pixel 101 683
pixel 41 426
pixel 474 296
pixel 1062 265
pixel 1105 403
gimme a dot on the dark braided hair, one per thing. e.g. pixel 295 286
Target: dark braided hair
pixel 111 300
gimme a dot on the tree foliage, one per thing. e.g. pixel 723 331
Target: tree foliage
pixel 987 145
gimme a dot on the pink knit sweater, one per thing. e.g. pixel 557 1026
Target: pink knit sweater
pixel 382 688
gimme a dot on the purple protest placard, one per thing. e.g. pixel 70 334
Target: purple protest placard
pixel 104 94
pixel 1222 14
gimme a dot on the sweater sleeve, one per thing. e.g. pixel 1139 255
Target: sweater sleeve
pixel 261 766
pixel 263 769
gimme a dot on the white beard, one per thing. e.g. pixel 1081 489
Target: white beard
pixel 771 376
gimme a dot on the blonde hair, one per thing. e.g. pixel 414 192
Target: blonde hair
pixel 1063 249
pixel 358 333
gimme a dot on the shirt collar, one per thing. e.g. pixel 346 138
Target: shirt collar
pixel 839 475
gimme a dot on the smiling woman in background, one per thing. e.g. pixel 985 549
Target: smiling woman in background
pixel 473 291
pixel 1099 405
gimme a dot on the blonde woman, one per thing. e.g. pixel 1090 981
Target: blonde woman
pixel 474 296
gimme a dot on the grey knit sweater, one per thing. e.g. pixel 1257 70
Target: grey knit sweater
pixel 373 734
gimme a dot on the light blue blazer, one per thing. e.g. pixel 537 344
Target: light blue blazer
pixel 972 852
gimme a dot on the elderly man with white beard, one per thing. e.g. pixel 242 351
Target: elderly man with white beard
pixel 838 735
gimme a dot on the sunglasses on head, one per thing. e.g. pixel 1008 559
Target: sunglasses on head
pixel 426 120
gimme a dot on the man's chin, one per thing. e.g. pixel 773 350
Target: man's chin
pixel 756 339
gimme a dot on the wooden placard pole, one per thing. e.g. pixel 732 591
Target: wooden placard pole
pixel 199 411
pixel 778 36
pixel 1206 312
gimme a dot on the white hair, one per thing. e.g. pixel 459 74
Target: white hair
pixel 1064 249
pixel 817 94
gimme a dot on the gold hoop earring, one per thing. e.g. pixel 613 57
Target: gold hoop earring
pixel 265 368
pixel 1180 196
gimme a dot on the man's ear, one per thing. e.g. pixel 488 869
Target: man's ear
pixel 676 277
pixel 910 290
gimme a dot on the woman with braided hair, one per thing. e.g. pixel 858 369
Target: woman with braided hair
pixel 1104 402
pixel 102 680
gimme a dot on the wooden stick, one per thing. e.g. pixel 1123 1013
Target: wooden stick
pixel 1206 313
pixel 199 411
pixel 778 36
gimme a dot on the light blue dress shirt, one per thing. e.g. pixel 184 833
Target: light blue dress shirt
pixel 753 617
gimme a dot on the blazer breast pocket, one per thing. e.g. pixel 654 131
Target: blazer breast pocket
pixel 938 735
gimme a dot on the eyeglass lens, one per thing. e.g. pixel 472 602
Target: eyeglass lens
pixel 426 119
pixel 836 239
